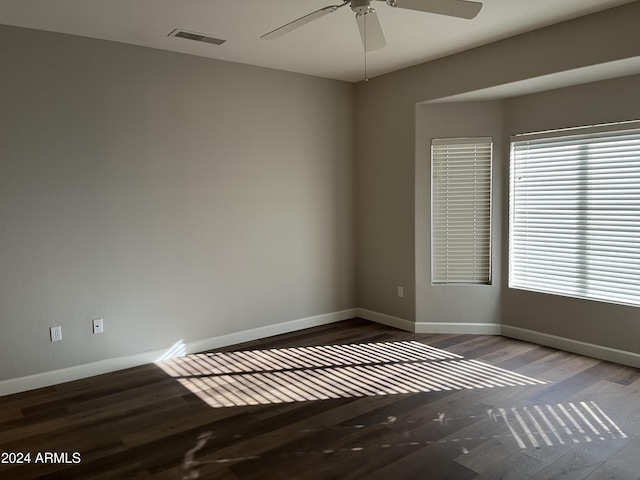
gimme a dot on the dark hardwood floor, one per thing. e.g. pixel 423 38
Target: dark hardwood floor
pixel 367 401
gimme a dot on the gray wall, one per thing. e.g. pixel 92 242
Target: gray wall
pixel 184 198
pixel 386 135
pixel 456 303
pixel 174 196
pixel 610 325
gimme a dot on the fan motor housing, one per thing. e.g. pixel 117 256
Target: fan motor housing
pixel 361 6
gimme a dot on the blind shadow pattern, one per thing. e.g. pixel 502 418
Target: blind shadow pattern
pixel 547 425
pixel 530 427
pixel 262 377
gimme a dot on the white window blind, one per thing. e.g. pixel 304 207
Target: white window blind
pixel 575 213
pixel 461 210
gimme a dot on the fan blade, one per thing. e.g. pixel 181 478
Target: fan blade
pixel 278 32
pixel 369 24
pixel 452 8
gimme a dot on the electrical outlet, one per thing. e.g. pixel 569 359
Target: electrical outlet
pixel 56 333
pixel 401 292
pixel 98 326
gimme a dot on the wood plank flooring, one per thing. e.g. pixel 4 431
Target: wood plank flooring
pixel 368 402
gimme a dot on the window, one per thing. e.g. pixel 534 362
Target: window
pixel 461 210
pixel 575 213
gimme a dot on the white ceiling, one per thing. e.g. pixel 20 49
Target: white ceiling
pixel 329 47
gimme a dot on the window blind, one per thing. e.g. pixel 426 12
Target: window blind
pixel 461 210
pixel 575 213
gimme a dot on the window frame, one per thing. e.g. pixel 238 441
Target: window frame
pixel 594 183
pixel 485 277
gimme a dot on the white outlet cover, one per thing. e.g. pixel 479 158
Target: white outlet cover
pixel 98 325
pixel 56 333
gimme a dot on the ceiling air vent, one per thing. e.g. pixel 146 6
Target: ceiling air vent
pixel 198 37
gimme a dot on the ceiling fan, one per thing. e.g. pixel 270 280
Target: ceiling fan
pixel 367 18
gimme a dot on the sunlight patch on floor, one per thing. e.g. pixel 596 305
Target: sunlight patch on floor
pixel 537 426
pixel 261 377
pixel 560 424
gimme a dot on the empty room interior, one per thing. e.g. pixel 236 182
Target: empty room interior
pixel 320 254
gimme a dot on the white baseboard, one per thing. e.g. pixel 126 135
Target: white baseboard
pixel 388 320
pixel 22 384
pixel 458 328
pixel 430 327
pixel 569 345
pixel 270 330
pixel 46 379
pixel 39 380
pixel 561 343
